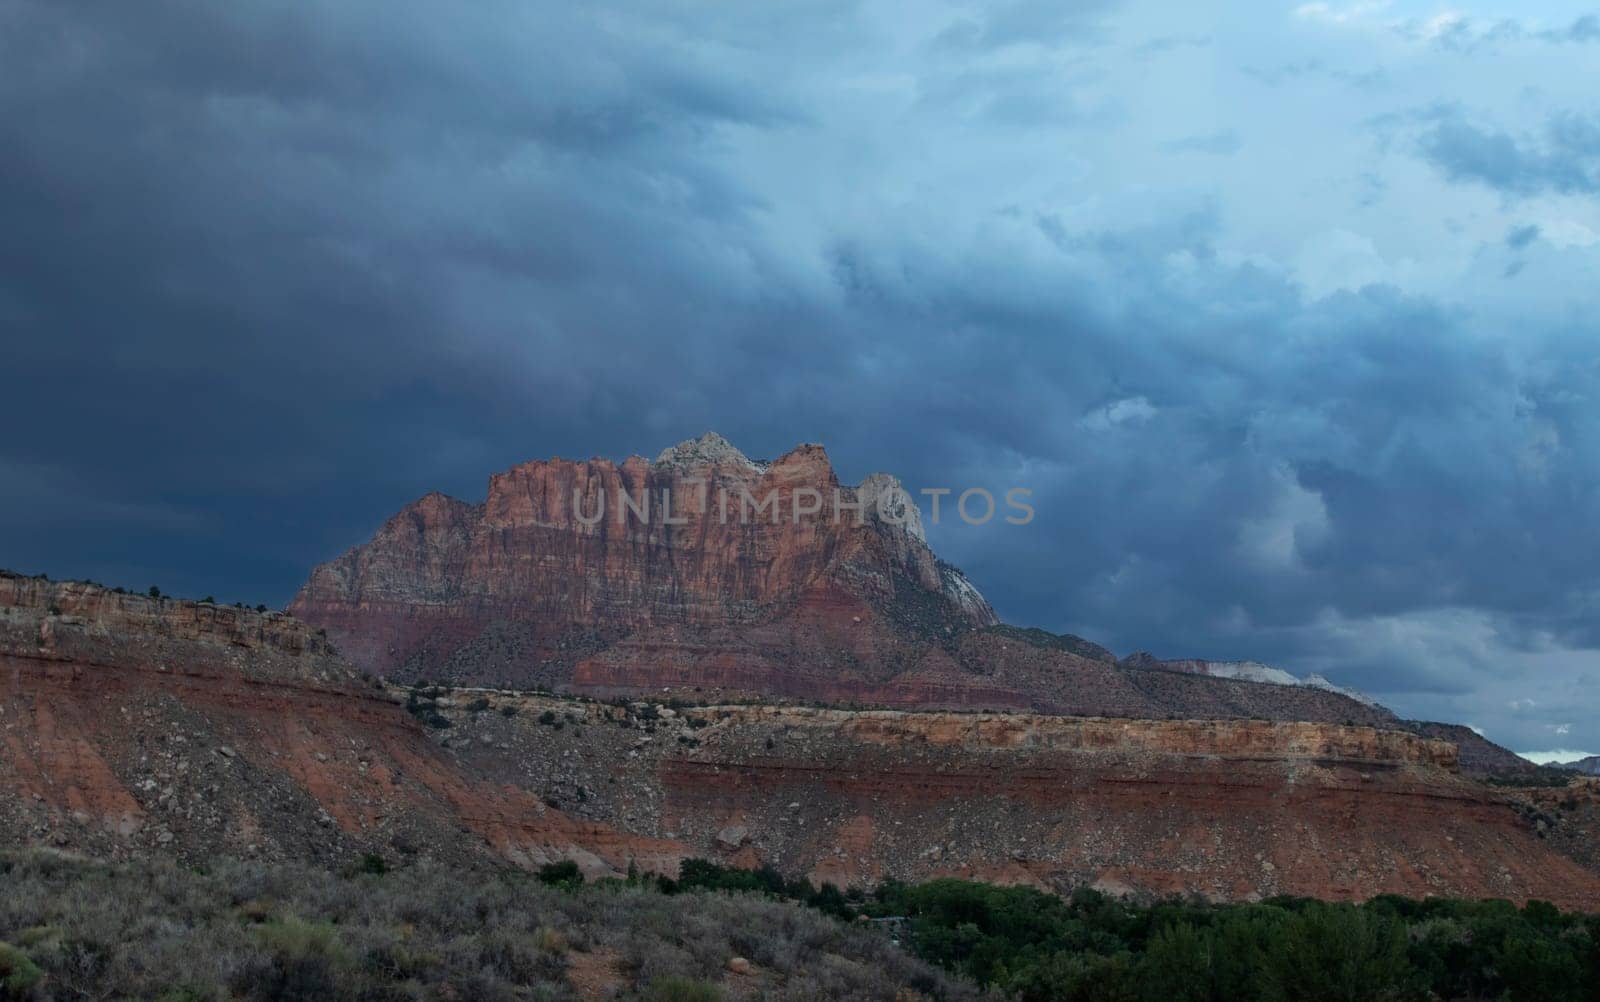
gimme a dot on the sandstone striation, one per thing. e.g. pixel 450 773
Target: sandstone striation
pixel 564 558
pixel 1228 809
pixel 134 726
pixel 131 725
pixel 529 590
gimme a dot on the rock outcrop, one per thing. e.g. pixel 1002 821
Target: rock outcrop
pixel 1589 765
pixel 137 726
pixel 134 725
pixel 564 558
pixel 1228 809
pixel 718 578
pixel 1249 671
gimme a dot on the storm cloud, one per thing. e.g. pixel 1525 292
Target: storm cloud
pixel 1287 323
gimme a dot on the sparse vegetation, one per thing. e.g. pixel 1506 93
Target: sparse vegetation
pixel 426 709
pixel 18 974
pixel 1038 947
pixel 1535 777
pixel 252 931
pixel 561 874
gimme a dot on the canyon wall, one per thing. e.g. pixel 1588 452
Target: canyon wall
pixel 554 562
pixel 138 726
pixel 542 586
pixel 133 725
pixel 1228 809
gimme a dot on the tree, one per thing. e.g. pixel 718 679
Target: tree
pixel 1339 953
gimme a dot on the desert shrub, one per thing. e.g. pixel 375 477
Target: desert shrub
pixel 520 957
pixel 18 974
pixel 426 711
pixel 561 874
pixel 674 989
pixel 298 960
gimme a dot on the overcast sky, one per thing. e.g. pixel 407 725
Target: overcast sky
pixel 1287 314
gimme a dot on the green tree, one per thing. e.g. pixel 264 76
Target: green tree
pixel 1340 953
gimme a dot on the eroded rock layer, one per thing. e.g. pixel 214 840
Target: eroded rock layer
pixel 551 583
pixel 130 725
pixel 1231 809
pixel 563 558
pixel 134 725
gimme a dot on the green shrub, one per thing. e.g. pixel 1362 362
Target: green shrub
pixel 673 989
pixel 302 960
pixel 18 974
pixel 561 874
pixel 1078 977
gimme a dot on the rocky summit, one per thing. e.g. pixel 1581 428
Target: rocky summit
pixel 624 666
pixel 723 567
pixel 711 576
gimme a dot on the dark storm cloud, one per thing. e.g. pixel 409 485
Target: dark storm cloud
pixel 1464 34
pixel 1565 159
pixel 1519 237
pixel 270 271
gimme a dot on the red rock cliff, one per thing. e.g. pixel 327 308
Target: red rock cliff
pixel 565 554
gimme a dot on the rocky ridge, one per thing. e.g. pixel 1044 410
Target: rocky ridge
pixel 1249 671
pixel 1229 809
pixel 525 590
pixel 131 726
pixel 565 558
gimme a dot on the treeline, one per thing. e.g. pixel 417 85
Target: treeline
pixel 1039 947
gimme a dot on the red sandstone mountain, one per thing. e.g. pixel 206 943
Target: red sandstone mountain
pixel 529 590
pixel 553 560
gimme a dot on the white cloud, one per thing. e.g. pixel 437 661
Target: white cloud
pixel 1129 410
pixel 1557 755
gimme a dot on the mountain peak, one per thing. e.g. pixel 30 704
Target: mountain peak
pixel 709 449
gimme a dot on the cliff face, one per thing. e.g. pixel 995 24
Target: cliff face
pixel 1229 809
pixel 75 621
pixel 130 725
pixel 552 583
pixel 565 557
